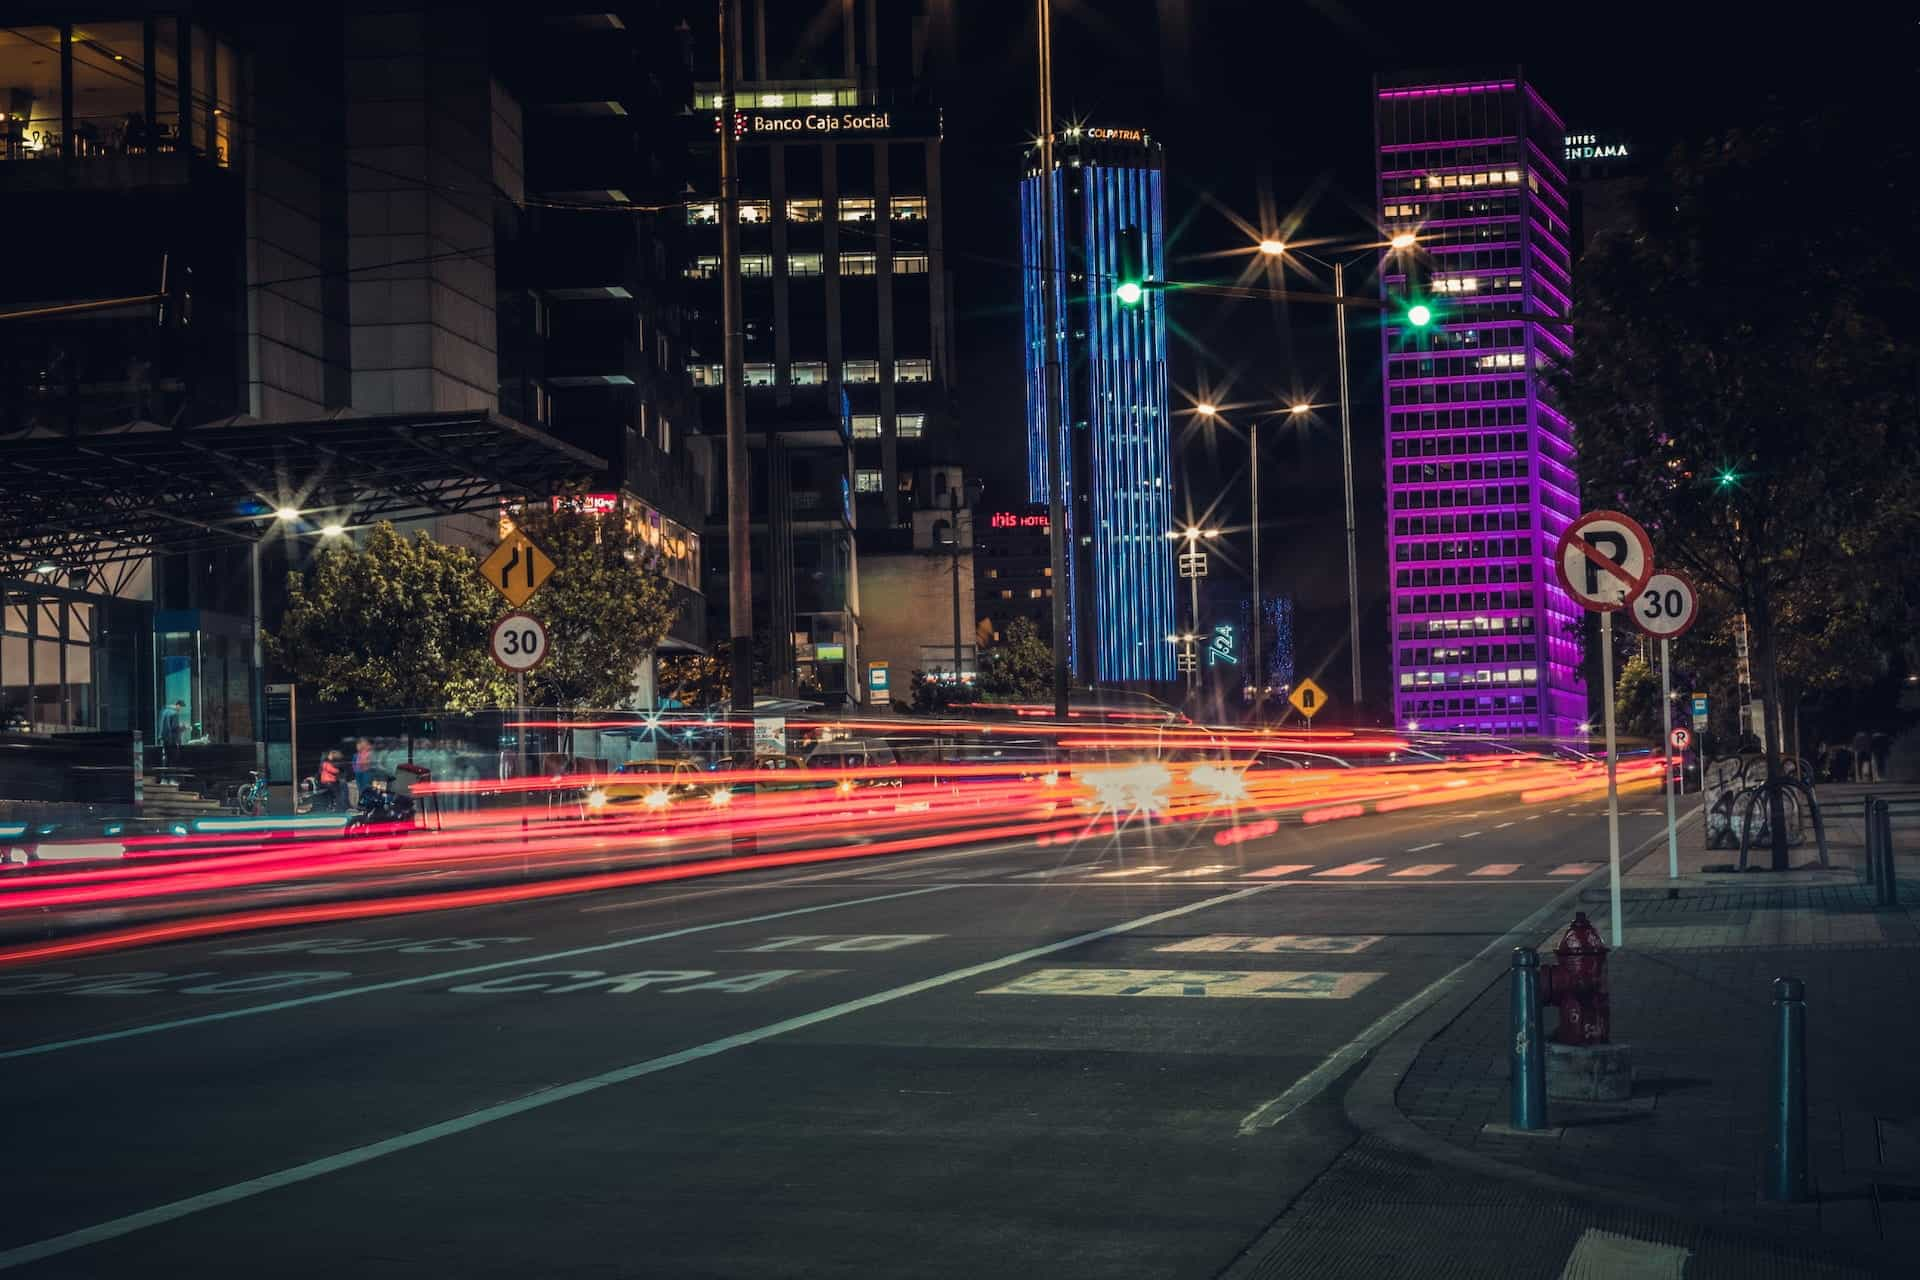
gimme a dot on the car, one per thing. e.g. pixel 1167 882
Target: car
pixel 653 784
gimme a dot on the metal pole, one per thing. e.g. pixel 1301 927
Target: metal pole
pixel 1787 1107
pixel 1257 666
pixel 1526 1053
pixel 953 503
pixel 739 491
pixel 1666 700
pixel 1050 385
pixel 520 725
pixel 256 681
pixel 1193 594
pixel 1613 778
pixel 1346 459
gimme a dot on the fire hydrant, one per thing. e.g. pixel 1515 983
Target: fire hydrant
pixel 1578 985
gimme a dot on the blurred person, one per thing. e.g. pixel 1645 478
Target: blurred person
pixel 329 780
pixel 1882 744
pixel 362 765
pixel 1862 757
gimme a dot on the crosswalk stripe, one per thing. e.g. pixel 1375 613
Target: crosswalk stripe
pixel 1496 869
pixel 1284 869
pixel 1057 871
pixel 1574 869
pixel 1352 869
pixel 1214 869
pixel 1126 871
pixel 1425 869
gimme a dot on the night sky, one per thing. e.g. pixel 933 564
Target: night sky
pixel 1270 103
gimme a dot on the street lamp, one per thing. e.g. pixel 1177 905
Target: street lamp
pixel 286 513
pixel 1403 240
pixel 333 530
pixel 1273 248
pixel 1192 566
pixel 1206 410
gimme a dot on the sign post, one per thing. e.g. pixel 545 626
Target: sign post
pixel 1308 699
pixel 1604 560
pixel 1665 609
pixel 519 644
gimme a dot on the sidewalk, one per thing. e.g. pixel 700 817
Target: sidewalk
pixel 1692 995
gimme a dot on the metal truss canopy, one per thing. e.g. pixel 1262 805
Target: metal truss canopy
pixel 95 497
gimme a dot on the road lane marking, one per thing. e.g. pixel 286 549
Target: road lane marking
pixel 128 1224
pixel 1211 870
pixel 1127 871
pixel 1424 869
pixel 839 942
pixel 1284 869
pixel 1573 869
pixel 1468 835
pixel 1535 817
pixel 1075 869
pixel 103 1037
pixel 1422 848
pixel 1501 826
pixel 1496 869
pixel 1269 984
pixel 1352 868
pixel 1324 944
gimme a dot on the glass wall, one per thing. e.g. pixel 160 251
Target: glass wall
pixel 57 671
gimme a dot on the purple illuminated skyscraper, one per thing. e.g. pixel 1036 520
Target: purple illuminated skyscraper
pixel 1480 480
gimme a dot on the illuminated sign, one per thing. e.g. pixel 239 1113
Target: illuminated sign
pixel 830 653
pixel 1017 520
pixel 1588 146
pixel 593 504
pixel 774 125
pixel 1223 647
pixel 1092 134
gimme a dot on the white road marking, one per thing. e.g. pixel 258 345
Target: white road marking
pixel 33 1050
pixel 1075 869
pixel 1127 871
pixel 1327 944
pixel 1422 848
pixel 115 1228
pixel 1468 835
pixel 1284 869
pixel 1535 817
pixel 1501 826
pixel 1424 869
pixel 1213 870
pixel 1352 869
pixel 1607 1255
pixel 1573 869
pixel 1496 869
pixel 1267 984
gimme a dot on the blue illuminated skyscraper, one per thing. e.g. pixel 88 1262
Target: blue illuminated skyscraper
pixel 1113 403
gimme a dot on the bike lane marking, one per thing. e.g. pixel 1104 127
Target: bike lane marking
pixel 128 1224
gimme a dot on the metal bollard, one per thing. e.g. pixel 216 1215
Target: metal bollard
pixel 1527 1054
pixel 1787 1110
pixel 1886 890
pixel 1872 868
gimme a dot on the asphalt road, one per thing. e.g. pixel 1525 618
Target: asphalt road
pixel 1113 1058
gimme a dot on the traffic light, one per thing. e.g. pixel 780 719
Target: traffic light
pixel 1130 263
pixel 1417 308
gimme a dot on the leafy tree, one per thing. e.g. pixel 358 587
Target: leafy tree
pixel 1743 380
pixel 931 694
pixel 1020 668
pixel 396 622
pixel 605 608
pixel 1636 700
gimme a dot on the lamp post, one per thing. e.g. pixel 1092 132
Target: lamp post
pixel 1051 379
pixel 974 489
pixel 1193 567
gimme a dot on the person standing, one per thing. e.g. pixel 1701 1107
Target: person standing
pixel 1882 748
pixel 362 767
pixel 173 731
pixel 1862 757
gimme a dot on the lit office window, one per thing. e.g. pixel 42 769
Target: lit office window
pixel 803 264
pixel 806 209
pixel 756 211
pixel 868 481
pixel 909 208
pixel 809 373
pixel 913 371
pixel 866 426
pixel 909 264
pixel 759 374
pixel 860 371
pixel 708 375
pixel 705 213
pixel 910 426
pixel 773 99
pixel 856 208
pixel 704 267
pixel 820 100
pixel 858 264
pixel 756 265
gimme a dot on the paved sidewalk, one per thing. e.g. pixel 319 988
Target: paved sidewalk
pixel 1692 995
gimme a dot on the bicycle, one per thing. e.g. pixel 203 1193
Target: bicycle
pixel 250 798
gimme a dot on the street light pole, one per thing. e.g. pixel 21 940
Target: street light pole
pixel 733 354
pixel 1254 657
pixel 1050 383
pixel 1346 459
pixel 953 538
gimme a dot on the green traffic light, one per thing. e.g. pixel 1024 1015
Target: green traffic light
pixel 1419 315
pixel 1129 293
pixel 1729 477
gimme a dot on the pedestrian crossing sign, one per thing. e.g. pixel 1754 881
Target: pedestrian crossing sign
pixel 1308 698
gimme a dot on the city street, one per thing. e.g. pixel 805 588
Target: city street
pixel 1095 1058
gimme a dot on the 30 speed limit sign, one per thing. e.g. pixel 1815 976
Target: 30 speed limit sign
pixel 1667 606
pixel 519 642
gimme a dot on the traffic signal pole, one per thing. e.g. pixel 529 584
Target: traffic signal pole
pixel 1346 459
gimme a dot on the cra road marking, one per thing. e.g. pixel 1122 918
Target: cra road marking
pixel 356 946
pixel 206 982
pixel 1275 984
pixel 840 942
pixel 623 984
pixel 1324 944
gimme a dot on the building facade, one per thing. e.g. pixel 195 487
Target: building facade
pixel 918 583
pixel 1013 555
pixel 1116 444
pixel 1480 460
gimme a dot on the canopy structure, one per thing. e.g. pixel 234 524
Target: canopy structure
pixel 96 497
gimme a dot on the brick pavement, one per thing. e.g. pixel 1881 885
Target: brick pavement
pixel 1692 995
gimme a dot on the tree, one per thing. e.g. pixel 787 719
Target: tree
pixel 1744 382
pixel 1636 700
pixel 605 608
pixel 394 623
pixel 1020 669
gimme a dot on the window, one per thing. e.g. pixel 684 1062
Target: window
pixel 1006 593
pixel 909 208
pixel 803 264
pixel 756 266
pixel 866 426
pixel 805 209
pixel 909 264
pixel 756 211
pixel 666 434
pixel 868 481
pixel 856 208
pixel 1035 593
pixel 858 264
pixel 708 375
pixel 913 371
pixel 703 213
pixel 809 373
pixel 759 374
pixel 910 426
pixel 860 371
pixel 704 267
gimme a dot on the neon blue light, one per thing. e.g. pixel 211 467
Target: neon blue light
pixel 311 822
pixel 8 830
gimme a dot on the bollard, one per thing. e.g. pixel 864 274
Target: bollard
pixel 1527 1053
pixel 1872 829
pixel 1787 1118
pixel 1886 890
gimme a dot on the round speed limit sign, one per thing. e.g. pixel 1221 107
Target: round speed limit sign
pixel 1666 607
pixel 519 642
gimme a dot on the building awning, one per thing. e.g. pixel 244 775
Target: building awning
pixel 95 497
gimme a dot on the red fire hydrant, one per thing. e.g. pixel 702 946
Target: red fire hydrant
pixel 1578 986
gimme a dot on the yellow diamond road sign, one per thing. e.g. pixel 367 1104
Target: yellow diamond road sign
pixel 517 568
pixel 1308 698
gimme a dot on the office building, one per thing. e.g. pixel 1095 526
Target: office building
pixel 1113 397
pixel 1480 460
pixel 1014 573
pixel 846 311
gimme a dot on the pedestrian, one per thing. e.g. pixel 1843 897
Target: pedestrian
pixel 1862 757
pixel 362 767
pixel 173 730
pixel 1882 748
pixel 330 779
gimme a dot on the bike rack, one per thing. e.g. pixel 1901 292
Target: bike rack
pixel 1758 794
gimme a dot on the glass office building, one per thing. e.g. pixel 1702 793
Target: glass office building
pixel 1480 481
pixel 1113 398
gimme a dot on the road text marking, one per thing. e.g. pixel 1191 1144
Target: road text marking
pixel 1269 985
pixel 1324 944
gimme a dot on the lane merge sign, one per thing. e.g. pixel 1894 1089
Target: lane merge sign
pixel 517 568
pixel 1604 560
pixel 1667 607
pixel 518 642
